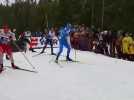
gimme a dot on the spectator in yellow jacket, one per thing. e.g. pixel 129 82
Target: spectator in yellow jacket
pixel 126 41
pixel 131 48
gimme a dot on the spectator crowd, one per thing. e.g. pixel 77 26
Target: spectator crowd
pixel 116 44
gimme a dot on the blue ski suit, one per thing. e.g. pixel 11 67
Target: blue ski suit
pixel 64 40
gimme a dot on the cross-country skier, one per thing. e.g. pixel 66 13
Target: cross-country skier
pixel 23 41
pixel 64 41
pixel 49 40
pixel 5 47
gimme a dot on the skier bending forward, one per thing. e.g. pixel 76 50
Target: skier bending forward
pixel 6 38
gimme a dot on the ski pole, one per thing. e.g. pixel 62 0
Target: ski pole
pixel 24 55
pixel 75 54
pixel 76 44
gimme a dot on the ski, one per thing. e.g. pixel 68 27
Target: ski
pixel 43 53
pixel 60 61
pixel 74 61
pixel 68 61
pixel 37 54
pixel 22 69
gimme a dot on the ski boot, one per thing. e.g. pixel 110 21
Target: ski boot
pixel 14 66
pixel 41 52
pixel 31 49
pixel 1 68
pixel 53 54
pixel 69 59
pixel 56 61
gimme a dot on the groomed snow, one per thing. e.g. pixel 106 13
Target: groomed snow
pixel 96 77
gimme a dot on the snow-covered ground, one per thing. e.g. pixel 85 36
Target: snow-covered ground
pixel 96 77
